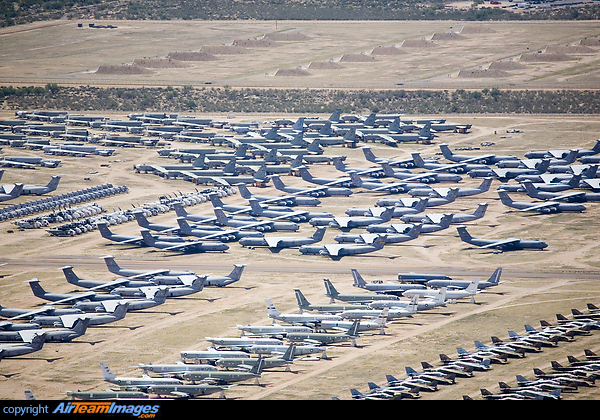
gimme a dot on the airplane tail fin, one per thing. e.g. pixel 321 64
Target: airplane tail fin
pixel 387 169
pixel 315 147
pixel 495 277
pixel 335 116
pixel 81 325
pixel 220 214
pixel 592 307
pixel 107 374
pixel 338 164
pixel 236 273
pixel 278 183
pixel 70 275
pixel 104 230
pixel 36 288
pixel 358 279
pixel 301 299
pixel 480 210
pixel 319 234
pixel 261 174
pixel 120 310
pixel 485 184
pixel 370 121
pixel 255 206
pixel 147 237
pixel 199 163
pixel 244 191
pixel 331 291
pixel 446 152
pixel 419 162
pixel 421 205
pixel 395 125
pixel 29 395
pixel 297 162
pixel 271 309
pixel 415 230
pixel 351 136
pixel 464 235
pixel 141 219
pixel 410 371
pixel 353 330
pixel 111 264
pixel 179 210
pixel 472 287
pixel 184 226
pixel 299 124
pixel 272 134
pixel 53 184
pixel 215 200
pixel 426 131
pixel 229 168
pixel 241 150
pixel 17 190
pixel 369 154
pixel 326 129
pixel 355 178
pixel 288 356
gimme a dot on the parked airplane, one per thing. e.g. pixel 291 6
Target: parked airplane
pixel 112 285
pixel 185 229
pixel 137 382
pixel 323 338
pixel 222 377
pixel 67 321
pixel 247 363
pixel 154 297
pixel 457 218
pixel 435 166
pixel 429 177
pixel 337 251
pixel 334 295
pixel 494 280
pixel 322 191
pixel 191 247
pixel 509 244
pixel 378 286
pixel 502 350
pixel 488 159
pixel 285 200
pixel 305 305
pixel 298 319
pixel 52 335
pixel 133 274
pixel 106 395
pixel 389 238
pixel 469 291
pixel 59 298
pixel 462 191
pixel 543 207
pixel 185 391
pixel 569 197
pixel 42 189
pixel 277 243
pixel 351 222
pixel 273 224
pixel 31 343
pixel 274 330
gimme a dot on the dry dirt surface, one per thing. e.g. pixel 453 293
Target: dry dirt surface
pixel 539 284
pixel 375 55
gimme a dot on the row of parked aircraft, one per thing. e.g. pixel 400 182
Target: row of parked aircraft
pixel 545 386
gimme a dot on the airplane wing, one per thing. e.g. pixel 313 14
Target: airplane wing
pixel 182 246
pixel 377 211
pixel 149 274
pixel 541 206
pixel 417 177
pixel 449 166
pixel 131 240
pixel 476 158
pixel 387 139
pixel 272 242
pixel 564 197
pixel 577 169
pixel 593 183
pixel 531 163
pixel 435 217
pixel 11 163
pixel 342 221
pixel 387 187
pixel 369 238
pixel 502 243
pixel 110 284
pixel 219 181
pixel 333 249
pixel 76 298
pixel 43 310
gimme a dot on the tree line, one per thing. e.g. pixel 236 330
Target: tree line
pixel 297 101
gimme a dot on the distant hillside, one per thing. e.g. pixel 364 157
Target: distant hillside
pixel 24 11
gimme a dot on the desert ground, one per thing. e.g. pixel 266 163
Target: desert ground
pixel 304 54
pixel 539 284
pixel 437 55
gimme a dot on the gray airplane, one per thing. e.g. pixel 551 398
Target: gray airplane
pixel 488 159
pixel 334 295
pixel 284 200
pixel 173 369
pixel 462 192
pixel 508 244
pixel 274 330
pixel 416 207
pixel 323 191
pixel 307 319
pixel 351 222
pixel 32 342
pixel 133 274
pixel 21 313
pixel 323 338
pixel 185 391
pixel 277 243
pixel 106 395
pixel 337 251
pixel 435 166
pixel 274 224
pixel 52 335
pixel 42 189
pixel 378 286
pixel 130 239
pixel 248 363
pixel 500 349
pixel 135 382
pixel 305 305
pixel 211 355
pixel 60 298
pixel 569 197
pixel 185 229
pixel 67 321
pixel 155 297
pixel 457 218
pixel 103 285
pixel 189 247
pixel 389 238
pixel 420 277
pixel 426 226
pixel 494 280
pixel 428 177
pixel 223 377
pixel 543 207
pixel 285 213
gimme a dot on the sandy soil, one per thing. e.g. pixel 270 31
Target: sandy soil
pixel 539 284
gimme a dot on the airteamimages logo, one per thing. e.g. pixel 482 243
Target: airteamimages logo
pixel 142 411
